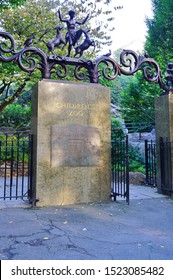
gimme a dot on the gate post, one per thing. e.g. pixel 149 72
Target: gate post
pixel 164 130
pixel 70 124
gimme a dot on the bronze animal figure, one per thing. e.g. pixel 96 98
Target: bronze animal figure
pixel 56 41
pixel 84 46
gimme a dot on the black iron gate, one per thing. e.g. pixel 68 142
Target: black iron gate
pixel 15 166
pixel 150 163
pixel 165 166
pixel 120 169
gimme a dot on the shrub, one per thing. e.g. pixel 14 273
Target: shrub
pixel 136 160
pixel 15 116
pixel 117 129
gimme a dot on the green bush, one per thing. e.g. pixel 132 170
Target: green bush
pixel 117 130
pixel 15 116
pixel 136 160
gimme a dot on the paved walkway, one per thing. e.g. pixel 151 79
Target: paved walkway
pixel 141 230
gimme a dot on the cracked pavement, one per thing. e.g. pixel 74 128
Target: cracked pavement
pixel 142 230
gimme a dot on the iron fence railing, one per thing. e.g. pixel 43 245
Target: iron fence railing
pixel 15 166
pixel 120 169
pixel 150 163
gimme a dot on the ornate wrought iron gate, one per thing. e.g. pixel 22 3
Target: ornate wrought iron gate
pixel 15 166
pixel 120 169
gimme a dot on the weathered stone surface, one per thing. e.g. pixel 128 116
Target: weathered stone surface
pixel 75 146
pixel 73 107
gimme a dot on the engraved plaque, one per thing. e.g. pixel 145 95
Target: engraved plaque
pixel 75 146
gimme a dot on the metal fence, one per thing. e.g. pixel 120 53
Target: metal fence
pixel 166 153
pixel 139 127
pixel 120 169
pixel 15 166
pixel 150 163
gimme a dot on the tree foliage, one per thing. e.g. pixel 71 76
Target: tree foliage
pixel 137 100
pixel 6 4
pixel 159 42
pixel 15 116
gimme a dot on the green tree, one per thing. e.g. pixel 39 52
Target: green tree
pixel 15 116
pixel 159 39
pixel 6 4
pixel 137 100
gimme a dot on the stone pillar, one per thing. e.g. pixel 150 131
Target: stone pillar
pixel 164 129
pixel 72 141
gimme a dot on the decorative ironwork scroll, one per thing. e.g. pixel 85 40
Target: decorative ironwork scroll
pixel 31 58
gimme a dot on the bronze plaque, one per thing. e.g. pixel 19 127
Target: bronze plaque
pixel 75 146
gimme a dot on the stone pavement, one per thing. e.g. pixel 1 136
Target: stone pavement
pixel 95 231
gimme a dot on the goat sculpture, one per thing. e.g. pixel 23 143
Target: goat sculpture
pixel 84 45
pixel 56 41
